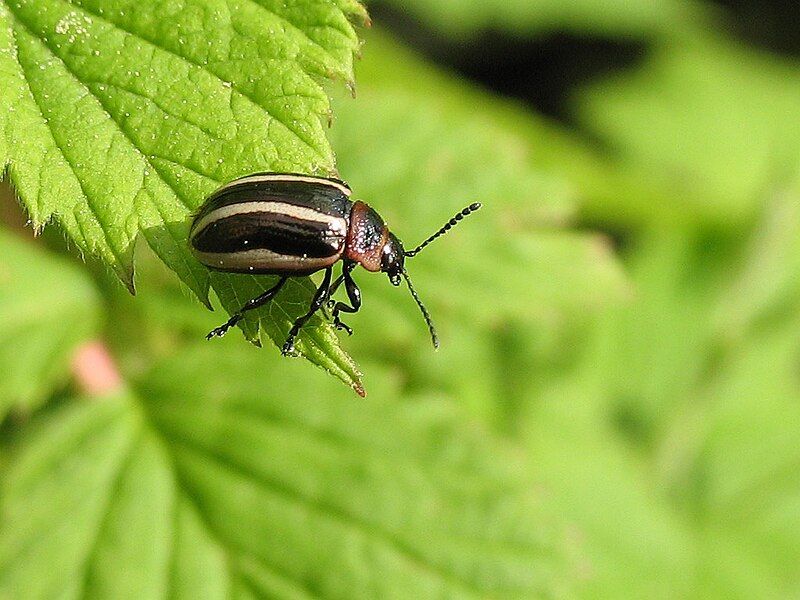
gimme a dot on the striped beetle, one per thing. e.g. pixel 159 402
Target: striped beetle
pixel 292 225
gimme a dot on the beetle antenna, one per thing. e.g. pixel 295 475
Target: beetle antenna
pixel 425 314
pixel 445 228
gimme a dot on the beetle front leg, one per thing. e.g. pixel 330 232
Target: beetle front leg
pixel 249 305
pixel 353 294
pixel 323 291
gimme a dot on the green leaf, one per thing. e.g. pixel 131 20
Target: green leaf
pixel 709 120
pixel 319 342
pixel 118 117
pixel 732 458
pixel 633 544
pixel 514 265
pixel 213 476
pixel 460 18
pixel 463 155
pixel 731 455
pixel 766 286
pixel 47 307
pixel 677 428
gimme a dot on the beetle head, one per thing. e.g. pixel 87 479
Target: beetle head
pixel 393 259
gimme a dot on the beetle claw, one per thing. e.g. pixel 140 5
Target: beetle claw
pixel 342 326
pixel 217 332
pixel 223 329
pixel 288 347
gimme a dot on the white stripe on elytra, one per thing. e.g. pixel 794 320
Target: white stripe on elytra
pixel 259 258
pixel 336 225
pixel 290 178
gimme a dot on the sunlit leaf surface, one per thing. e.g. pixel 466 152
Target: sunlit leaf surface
pixel 181 488
pixel 117 118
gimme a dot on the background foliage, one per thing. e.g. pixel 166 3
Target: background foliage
pixel 615 411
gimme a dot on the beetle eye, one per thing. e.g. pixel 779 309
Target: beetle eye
pixel 392 259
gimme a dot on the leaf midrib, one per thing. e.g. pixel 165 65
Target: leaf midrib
pixel 113 491
pixel 342 445
pixel 183 488
pixel 327 510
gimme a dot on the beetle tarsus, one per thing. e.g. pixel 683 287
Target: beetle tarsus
pixel 249 305
pixel 341 326
pixel 288 347
pixel 217 332
pixel 223 329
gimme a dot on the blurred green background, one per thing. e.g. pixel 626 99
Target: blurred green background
pixel 615 410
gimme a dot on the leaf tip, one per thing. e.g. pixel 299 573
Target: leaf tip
pixel 359 15
pixel 126 275
pixel 358 388
pixel 38 228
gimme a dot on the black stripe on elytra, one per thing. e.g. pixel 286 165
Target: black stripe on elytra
pixel 322 198
pixel 279 233
pixel 289 176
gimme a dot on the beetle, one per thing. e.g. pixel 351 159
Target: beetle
pixel 292 225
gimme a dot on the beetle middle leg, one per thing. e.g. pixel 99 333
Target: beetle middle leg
pixel 322 294
pixel 353 294
pixel 249 305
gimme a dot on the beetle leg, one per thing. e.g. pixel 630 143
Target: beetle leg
pixel 320 296
pixel 335 286
pixel 329 303
pixel 353 294
pixel 341 325
pixel 249 305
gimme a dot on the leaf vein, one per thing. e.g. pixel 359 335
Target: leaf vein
pixel 207 68
pixel 352 446
pixel 291 25
pixel 186 166
pixel 57 144
pixel 230 556
pixel 155 103
pixel 401 548
pixel 119 127
pixel 114 490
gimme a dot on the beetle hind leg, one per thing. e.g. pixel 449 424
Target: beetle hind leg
pixel 254 303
